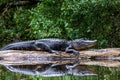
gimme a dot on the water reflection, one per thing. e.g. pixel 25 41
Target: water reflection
pixel 50 70
pixel 62 70
pixel 51 67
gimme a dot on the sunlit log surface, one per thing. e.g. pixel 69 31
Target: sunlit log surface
pixel 105 57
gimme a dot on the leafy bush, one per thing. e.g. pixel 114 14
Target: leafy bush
pixel 93 19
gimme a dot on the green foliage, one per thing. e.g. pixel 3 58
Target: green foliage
pixel 94 19
pixel 45 19
pixel 15 25
pixel 69 19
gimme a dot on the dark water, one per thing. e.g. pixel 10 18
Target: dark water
pixel 58 71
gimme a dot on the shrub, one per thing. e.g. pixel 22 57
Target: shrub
pixel 93 19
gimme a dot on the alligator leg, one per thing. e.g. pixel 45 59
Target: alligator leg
pixel 43 46
pixel 70 50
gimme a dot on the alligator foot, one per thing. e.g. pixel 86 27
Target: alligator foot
pixel 56 52
pixel 76 52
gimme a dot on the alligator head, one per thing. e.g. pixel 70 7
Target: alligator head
pixel 83 43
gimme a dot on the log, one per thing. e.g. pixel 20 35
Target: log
pixel 108 53
pixel 40 57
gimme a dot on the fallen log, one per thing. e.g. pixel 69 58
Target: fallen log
pixel 108 53
pixel 40 57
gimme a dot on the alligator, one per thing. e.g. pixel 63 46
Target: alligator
pixel 52 45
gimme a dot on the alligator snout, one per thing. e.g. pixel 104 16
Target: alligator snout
pixel 89 43
pixel 83 44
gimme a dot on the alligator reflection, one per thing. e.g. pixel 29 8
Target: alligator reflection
pixel 49 70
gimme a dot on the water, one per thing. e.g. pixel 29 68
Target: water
pixel 63 71
pixel 30 65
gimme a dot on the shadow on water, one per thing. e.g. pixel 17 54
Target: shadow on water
pixel 35 68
